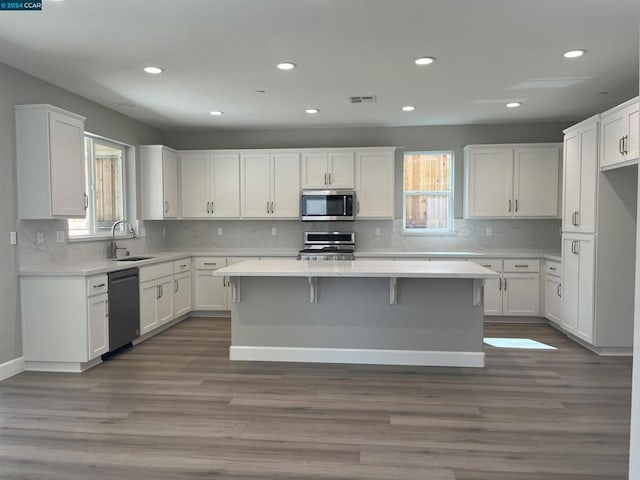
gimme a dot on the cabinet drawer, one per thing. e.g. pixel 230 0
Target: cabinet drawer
pixel 495 265
pixel 182 265
pixel 521 265
pixel 156 271
pixel 553 268
pixel 96 285
pixel 210 263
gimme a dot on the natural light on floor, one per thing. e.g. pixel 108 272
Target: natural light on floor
pixel 518 343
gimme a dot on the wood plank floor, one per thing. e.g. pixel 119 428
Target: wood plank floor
pixel 174 407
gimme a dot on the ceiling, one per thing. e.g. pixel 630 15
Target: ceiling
pixel 217 53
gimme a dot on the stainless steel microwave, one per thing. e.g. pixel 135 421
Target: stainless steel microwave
pixel 327 205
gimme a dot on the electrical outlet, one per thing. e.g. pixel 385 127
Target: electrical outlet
pixel 164 232
pixel 40 238
pixel 274 231
pixel 219 231
pixel 60 236
pixel 378 232
pixel 13 238
pixel 489 231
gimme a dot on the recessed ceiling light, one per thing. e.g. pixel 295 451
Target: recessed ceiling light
pixel 215 113
pixel 513 104
pixel 424 60
pixel 286 66
pixel 574 53
pixel 408 108
pixel 311 111
pixel 153 70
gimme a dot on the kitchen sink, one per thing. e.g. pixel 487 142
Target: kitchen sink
pixel 132 259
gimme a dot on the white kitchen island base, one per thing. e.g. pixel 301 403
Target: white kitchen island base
pixel 375 312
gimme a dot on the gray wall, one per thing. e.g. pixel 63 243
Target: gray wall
pixel 453 137
pixel 19 88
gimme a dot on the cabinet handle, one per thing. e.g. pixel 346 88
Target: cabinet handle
pixel 521 266
pixel 625 144
pixel 620 145
pixel 357 206
pixel 267 207
pixel 552 268
pixel 86 201
pixel 330 180
pixel 325 179
pixel 573 219
pixel 509 205
pixel 183 266
pixel 505 284
pixel 516 205
pixel 100 285
pixel 210 263
pixel 208 208
pixel 157 291
pixel 175 285
pixel 574 247
pixel 500 284
pixel 166 206
pixel 558 290
pixel 213 207
pixel 272 207
pixel 161 291
pixel 106 308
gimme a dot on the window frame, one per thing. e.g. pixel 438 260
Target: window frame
pixel 90 178
pixel 448 230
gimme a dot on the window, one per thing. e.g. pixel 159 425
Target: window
pixel 104 174
pixel 428 192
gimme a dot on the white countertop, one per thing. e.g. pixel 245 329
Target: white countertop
pixel 359 268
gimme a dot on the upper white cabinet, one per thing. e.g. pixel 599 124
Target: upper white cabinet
pixel 374 183
pixel 508 181
pixel 580 176
pixel 50 163
pixel 327 170
pixel 619 132
pixel 159 182
pixel 270 185
pixel 210 184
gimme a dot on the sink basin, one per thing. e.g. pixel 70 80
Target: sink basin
pixel 132 259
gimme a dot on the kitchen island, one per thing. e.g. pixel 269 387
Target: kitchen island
pixel 364 311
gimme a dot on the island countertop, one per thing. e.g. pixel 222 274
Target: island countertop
pixel 359 268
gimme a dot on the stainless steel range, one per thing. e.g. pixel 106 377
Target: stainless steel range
pixel 328 246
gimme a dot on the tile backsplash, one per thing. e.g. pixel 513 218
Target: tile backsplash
pixel 258 234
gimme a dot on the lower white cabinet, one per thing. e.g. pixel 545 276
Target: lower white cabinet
pixel 553 299
pixel 210 291
pixel 98 324
pixel 578 275
pixel 182 294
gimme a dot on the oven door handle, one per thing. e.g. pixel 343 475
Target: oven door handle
pixel 344 206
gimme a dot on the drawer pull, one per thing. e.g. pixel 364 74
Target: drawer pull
pixel 210 263
pixel 552 268
pixel 100 285
pixel 521 266
pixel 487 266
pixel 183 266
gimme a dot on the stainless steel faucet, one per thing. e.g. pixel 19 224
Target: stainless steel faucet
pixel 113 247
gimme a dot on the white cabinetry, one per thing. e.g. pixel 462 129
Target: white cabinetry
pixel 159 182
pixel 327 170
pixel 182 287
pixel 210 290
pixel 65 322
pixel 580 176
pixel 516 292
pixel 619 131
pixel 578 269
pixel 553 292
pixel 210 184
pixel 156 296
pixel 50 163
pixel 508 181
pixel 374 183
pixel 270 185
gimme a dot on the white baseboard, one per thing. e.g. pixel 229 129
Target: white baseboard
pixel 61 367
pixel 11 368
pixel 357 355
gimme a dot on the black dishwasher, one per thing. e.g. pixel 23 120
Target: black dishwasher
pixel 124 308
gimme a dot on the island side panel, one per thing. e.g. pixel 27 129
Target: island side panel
pixel 354 313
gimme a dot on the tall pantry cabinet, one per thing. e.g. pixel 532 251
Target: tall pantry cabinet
pixel 598 243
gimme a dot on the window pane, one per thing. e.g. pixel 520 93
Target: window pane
pixel 427 211
pixel 430 171
pixel 109 206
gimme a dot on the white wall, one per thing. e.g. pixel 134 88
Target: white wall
pixel 19 88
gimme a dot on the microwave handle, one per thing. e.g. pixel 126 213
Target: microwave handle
pixel 344 205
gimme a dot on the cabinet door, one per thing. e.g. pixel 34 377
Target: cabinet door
pixel 570 284
pixel 255 187
pixel 493 296
pixel 374 184
pixel 149 293
pixel 226 185
pixel 612 130
pixel 170 183
pixel 633 131
pixel 489 182
pixel 285 185
pixel 165 300
pixel 98 325
pixel 571 180
pixel 315 170
pixel 586 217
pixel 586 285
pixel 182 294
pixel 535 182
pixel 340 170
pixel 195 180
pixel 210 291
pixel 66 150
pixel 553 300
pixel 521 294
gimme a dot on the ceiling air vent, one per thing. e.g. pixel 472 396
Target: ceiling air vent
pixel 363 99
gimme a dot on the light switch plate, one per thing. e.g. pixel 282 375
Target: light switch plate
pixel 274 231
pixel 378 233
pixel 40 238
pixel 60 236
pixel 219 231
pixel 13 238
